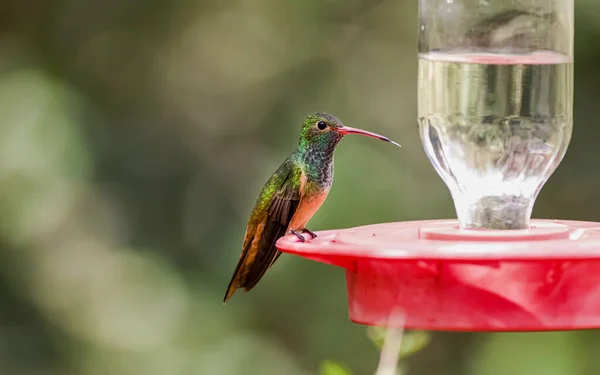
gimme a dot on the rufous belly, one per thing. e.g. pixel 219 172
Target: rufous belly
pixel 307 207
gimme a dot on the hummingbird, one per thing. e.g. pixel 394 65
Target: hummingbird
pixel 291 196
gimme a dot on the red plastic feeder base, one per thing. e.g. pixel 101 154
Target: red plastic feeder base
pixel 444 278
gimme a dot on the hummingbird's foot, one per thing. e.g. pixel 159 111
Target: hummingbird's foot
pixel 313 234
pixel 300 236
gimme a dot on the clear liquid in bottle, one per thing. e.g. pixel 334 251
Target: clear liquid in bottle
pixel 495 126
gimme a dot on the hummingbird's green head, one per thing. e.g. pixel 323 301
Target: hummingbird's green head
pixel 324 131
pixel 321 129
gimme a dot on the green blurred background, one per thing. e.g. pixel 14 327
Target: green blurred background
pixel 134 138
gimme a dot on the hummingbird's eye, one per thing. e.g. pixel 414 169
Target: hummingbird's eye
pixel 321 125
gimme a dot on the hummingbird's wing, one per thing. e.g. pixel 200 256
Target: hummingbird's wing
pixel 270 219
pixel 283 207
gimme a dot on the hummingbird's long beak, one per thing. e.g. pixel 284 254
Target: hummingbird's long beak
pixel 348 130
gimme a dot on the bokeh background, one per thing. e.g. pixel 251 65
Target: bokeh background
pixel 134 138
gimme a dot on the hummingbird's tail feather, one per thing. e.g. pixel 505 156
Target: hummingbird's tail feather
pixel 243 265
pixel 249 272
pixel 255 262
pixel 256 259
pixel 230 292
pixel 233 284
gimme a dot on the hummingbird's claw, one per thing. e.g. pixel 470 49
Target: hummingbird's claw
pixel 313 234
pixel 300 237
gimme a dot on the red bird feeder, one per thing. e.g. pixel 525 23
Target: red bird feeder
pixel 445 278
pixel 495 118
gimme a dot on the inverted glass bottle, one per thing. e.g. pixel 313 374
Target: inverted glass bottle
pixel 495 102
